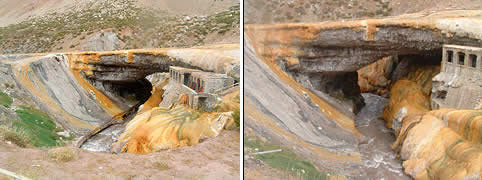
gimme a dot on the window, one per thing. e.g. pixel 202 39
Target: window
pixel 450 55
pixel 461 58
pixel 473 60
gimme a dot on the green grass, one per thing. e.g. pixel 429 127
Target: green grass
pixel 285 160
pixel 38 126
pixel 5 100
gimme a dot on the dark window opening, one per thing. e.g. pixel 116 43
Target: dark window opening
pixel 186 78
pixel 442 94
pixel 198 85
pixel 461 58
pixel 473 60
pixel 450 55
pixel 203 103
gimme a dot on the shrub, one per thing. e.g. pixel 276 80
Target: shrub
pixel 15 136
pixel 161 165
pixel 236 117
pixel 62 154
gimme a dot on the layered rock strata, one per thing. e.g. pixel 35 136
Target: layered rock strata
pixel 81 90
pixel 307 50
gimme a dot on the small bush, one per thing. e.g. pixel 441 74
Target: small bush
pixel 15 136
pixel 161 165
pixel 236 117
pixel 62 154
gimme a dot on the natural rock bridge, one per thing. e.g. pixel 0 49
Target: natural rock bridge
pixel 325 56
pixel 83 89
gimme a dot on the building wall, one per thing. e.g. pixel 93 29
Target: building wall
pixel 213 85
pixel 465 70
pixel 458 86
pixel 209 86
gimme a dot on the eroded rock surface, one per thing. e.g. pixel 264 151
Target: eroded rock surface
pixel 328 47
pixel 282 111
pixel 81 90
pixel 442 144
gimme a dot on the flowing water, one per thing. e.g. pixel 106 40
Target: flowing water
pixel 102 142
pixel 379 160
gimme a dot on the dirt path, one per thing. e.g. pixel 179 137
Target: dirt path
pixel 214 158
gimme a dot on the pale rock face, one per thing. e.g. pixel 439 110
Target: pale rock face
pixel 397 120
pixel 102 41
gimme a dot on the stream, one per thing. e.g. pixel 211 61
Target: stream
pixel 379 160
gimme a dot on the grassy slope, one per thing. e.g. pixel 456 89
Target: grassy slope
pixel 5 100
pixel 38 126
pixel 285 160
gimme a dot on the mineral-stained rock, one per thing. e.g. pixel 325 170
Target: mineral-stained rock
pixel 155 128
pixel 81 90
pixel 411 94
pixel 163 128
pixel 375 78
pixel 319 48
pixel 442 144
pixel 282 111
pixel 406 99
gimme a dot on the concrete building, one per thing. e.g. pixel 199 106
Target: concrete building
pixel 459 83
pixel 462 61
pixel 200 87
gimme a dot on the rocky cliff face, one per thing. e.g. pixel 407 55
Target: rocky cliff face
pixel 307 51
pixel 81 90
pixel 282 111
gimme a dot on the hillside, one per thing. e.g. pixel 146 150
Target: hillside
pixel 59 26
pixel 281 11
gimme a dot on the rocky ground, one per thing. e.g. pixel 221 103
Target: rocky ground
pixel 214 158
